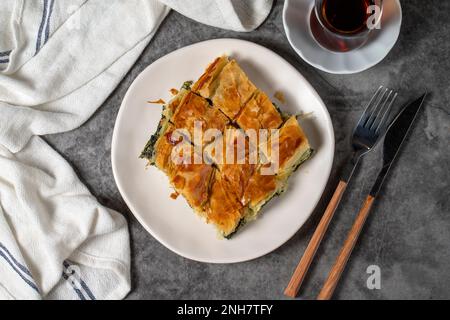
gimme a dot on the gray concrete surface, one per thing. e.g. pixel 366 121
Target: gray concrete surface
pixel 408 234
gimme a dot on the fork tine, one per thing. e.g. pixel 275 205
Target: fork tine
pixel 383 104
pixel 369 107
pixel 382 125
pixel 375 110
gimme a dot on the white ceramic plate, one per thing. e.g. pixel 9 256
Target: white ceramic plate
pixel 147 192
pixel 296 20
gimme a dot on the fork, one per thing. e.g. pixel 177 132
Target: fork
pixel 368 132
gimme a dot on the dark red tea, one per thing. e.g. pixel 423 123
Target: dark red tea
pixel 346 16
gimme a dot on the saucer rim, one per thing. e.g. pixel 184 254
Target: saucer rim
pixel 340 71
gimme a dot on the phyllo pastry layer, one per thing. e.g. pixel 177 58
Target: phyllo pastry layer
pixel 195 110
pixel 292 148
pixel 204 85
pixel 170 109
pixel 226 85
pixel 230 173
pixel 193 182
pixel 223 209
pixel 164 127
pixel 259 113
pixel 260 189
pixel 237 160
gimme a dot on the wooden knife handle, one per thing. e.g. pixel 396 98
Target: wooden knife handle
pixel 308 255
pixel 341 261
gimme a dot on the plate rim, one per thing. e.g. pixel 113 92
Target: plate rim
pixel 329 130
pixel 344 71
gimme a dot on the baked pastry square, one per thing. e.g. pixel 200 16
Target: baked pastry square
pixel 227 194
pixel 226 85
pixel 193 182
pixel 195 110
pixel 174 155
pixel 262 187
pixel 223 209
pixel 235 158
pixel 294 147
pixel 291 150
pixel 259 113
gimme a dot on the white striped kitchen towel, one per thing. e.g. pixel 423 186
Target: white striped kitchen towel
pixel 59 60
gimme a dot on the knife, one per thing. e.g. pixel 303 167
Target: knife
pixel 393 141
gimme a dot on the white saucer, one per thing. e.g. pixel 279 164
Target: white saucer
pixel 296 20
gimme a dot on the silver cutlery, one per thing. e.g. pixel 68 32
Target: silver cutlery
pixel 368 132
pixel 394 139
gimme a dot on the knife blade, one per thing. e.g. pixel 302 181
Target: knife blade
pixel 395 136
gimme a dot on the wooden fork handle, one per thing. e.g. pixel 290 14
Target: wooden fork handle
pixel 341 261
pixel 308 255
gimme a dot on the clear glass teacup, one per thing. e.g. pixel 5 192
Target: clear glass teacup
pixel 344 25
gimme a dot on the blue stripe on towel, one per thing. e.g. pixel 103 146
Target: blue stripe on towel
pixel 67 264
pixel 5 54
pixel 27 281
pixel 41 27
pixel 87 290
pixel 78 292
pixel 47 29
pixel 21 266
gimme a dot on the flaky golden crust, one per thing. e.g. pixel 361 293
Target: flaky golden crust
pixel 223 209
pixel 194 108
pixel 226 85
pixel 292 143
pixel 259 189
pixel 225 193
pixel 193 182
pixel 173 105
pixel 233 90
pixel 163 150
pixel 259 113
pixel 204 85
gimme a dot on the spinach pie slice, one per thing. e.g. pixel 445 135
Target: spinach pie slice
pixel 260 189
pixel 259 113
pixel 196 110
pixel 225 185
pixel 223 209
pixel 236 162
pixel 226 85
pixel 290 152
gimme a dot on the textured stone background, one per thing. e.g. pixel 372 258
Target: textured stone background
pixel 408 234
